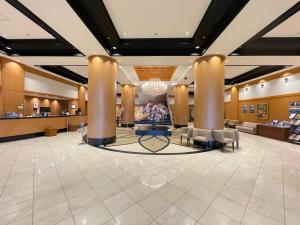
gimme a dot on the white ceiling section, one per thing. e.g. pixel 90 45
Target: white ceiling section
pixel 130 73
pixel 288 28
pixel 156 18
pixel 180 73
pixel 255 16
pixel 167 18
pixel 81 70
pixel 61 17
pixel 14 25
pixel 233 71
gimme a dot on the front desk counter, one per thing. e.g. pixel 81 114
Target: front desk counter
pixel 278 133
pixel 26 127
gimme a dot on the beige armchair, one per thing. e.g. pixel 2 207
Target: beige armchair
pixel 236 136
pixel 202 135
pixel 186 133
pixel 224 137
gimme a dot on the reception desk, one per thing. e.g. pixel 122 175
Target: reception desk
pixel 278 133
pixel 26 127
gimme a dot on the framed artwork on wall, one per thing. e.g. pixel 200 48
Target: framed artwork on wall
pixel 251 108
pixel 244 108
pixel 262 111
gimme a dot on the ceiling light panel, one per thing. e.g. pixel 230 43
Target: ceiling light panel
pixel 23 27
pixel 166 19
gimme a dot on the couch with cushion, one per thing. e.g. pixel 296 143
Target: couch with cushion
pixel 247 127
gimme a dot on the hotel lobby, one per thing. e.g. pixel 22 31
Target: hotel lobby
pixel 162 112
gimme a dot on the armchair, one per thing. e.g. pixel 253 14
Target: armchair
pixel 187 133
pixel 202 135
pixel 224 137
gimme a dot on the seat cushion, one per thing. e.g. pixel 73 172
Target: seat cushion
pixel 200 138
pixel 228 140
pixel 184 135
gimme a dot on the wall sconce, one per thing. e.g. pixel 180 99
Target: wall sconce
pixel 262 85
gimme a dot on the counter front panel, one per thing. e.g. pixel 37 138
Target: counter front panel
pixel 10 128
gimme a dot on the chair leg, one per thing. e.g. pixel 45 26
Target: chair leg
pixel 233 146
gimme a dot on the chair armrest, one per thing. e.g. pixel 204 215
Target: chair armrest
pixel 218 135
pixel 229 134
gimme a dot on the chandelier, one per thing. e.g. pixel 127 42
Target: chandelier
pixel 154 87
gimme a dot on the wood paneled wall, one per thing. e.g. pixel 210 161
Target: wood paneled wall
pixel 81 98
pixel 70 103
pixel 231 110
pixel 12 86
pixel 57 106
pixel 278 108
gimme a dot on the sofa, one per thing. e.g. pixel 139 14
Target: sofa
pixel 247 127
pixel 233 123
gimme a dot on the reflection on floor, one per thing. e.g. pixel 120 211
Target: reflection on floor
pixel 45 181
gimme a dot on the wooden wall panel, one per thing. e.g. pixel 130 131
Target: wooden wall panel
pixel 57 106
pixel 278 108
pixel 81 99
pixel 70 102
pixel 12 81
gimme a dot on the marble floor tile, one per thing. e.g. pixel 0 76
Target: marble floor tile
pixel 94 215
pixel 213 217
pixel 52 215
pixel 118 203
pixel 154 204
pixel 170 193
pixel 253 218
pixel 138 192
pixel 83 201
pixel 203 194
pixel 56 181
pixel 107 190
pixel 271 210
pixel 174 216
pixel 228 207
pixel 192 206
pixel 134 215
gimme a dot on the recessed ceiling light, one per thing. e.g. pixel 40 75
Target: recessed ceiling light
pixel 79 54
pixel 108 38
pixel 114 47
pixel 195 53
pixel 234 53
pixel 7 47
pixel 203 37
pixel 197 47
pixel 186 33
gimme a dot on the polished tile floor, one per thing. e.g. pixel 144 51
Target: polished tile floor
pixel 47 181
